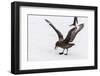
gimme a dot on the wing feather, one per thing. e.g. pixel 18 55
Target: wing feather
pixel 72 33
pixel 68 37
pixel 60 36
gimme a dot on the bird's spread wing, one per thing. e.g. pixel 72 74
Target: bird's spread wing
pixel 68 37
pixel 60 36
pixel 72 33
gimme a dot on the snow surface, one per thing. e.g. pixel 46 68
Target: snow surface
pixel 42 38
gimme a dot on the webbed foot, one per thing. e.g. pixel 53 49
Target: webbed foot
pixel 60 53
pixel 66 54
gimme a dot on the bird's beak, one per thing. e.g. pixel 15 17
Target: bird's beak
pixel 71 25
pixel 55 47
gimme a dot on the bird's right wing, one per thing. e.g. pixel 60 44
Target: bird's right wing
pixel 60 36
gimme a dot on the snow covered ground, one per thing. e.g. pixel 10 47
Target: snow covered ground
pixel 42 38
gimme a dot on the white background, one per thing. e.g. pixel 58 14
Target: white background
pixel 5 38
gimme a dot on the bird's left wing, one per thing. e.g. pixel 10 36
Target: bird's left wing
pixel 68 37
pixel 72 33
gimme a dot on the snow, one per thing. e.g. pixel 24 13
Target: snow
pixel 42 38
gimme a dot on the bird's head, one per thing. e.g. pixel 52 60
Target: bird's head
pixel 57 45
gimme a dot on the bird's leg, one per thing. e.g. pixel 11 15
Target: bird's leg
pixel 61 52
pixel 66 52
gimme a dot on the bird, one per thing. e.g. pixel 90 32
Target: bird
pixel 66 43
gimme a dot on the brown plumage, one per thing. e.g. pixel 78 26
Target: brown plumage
pixel 66 43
